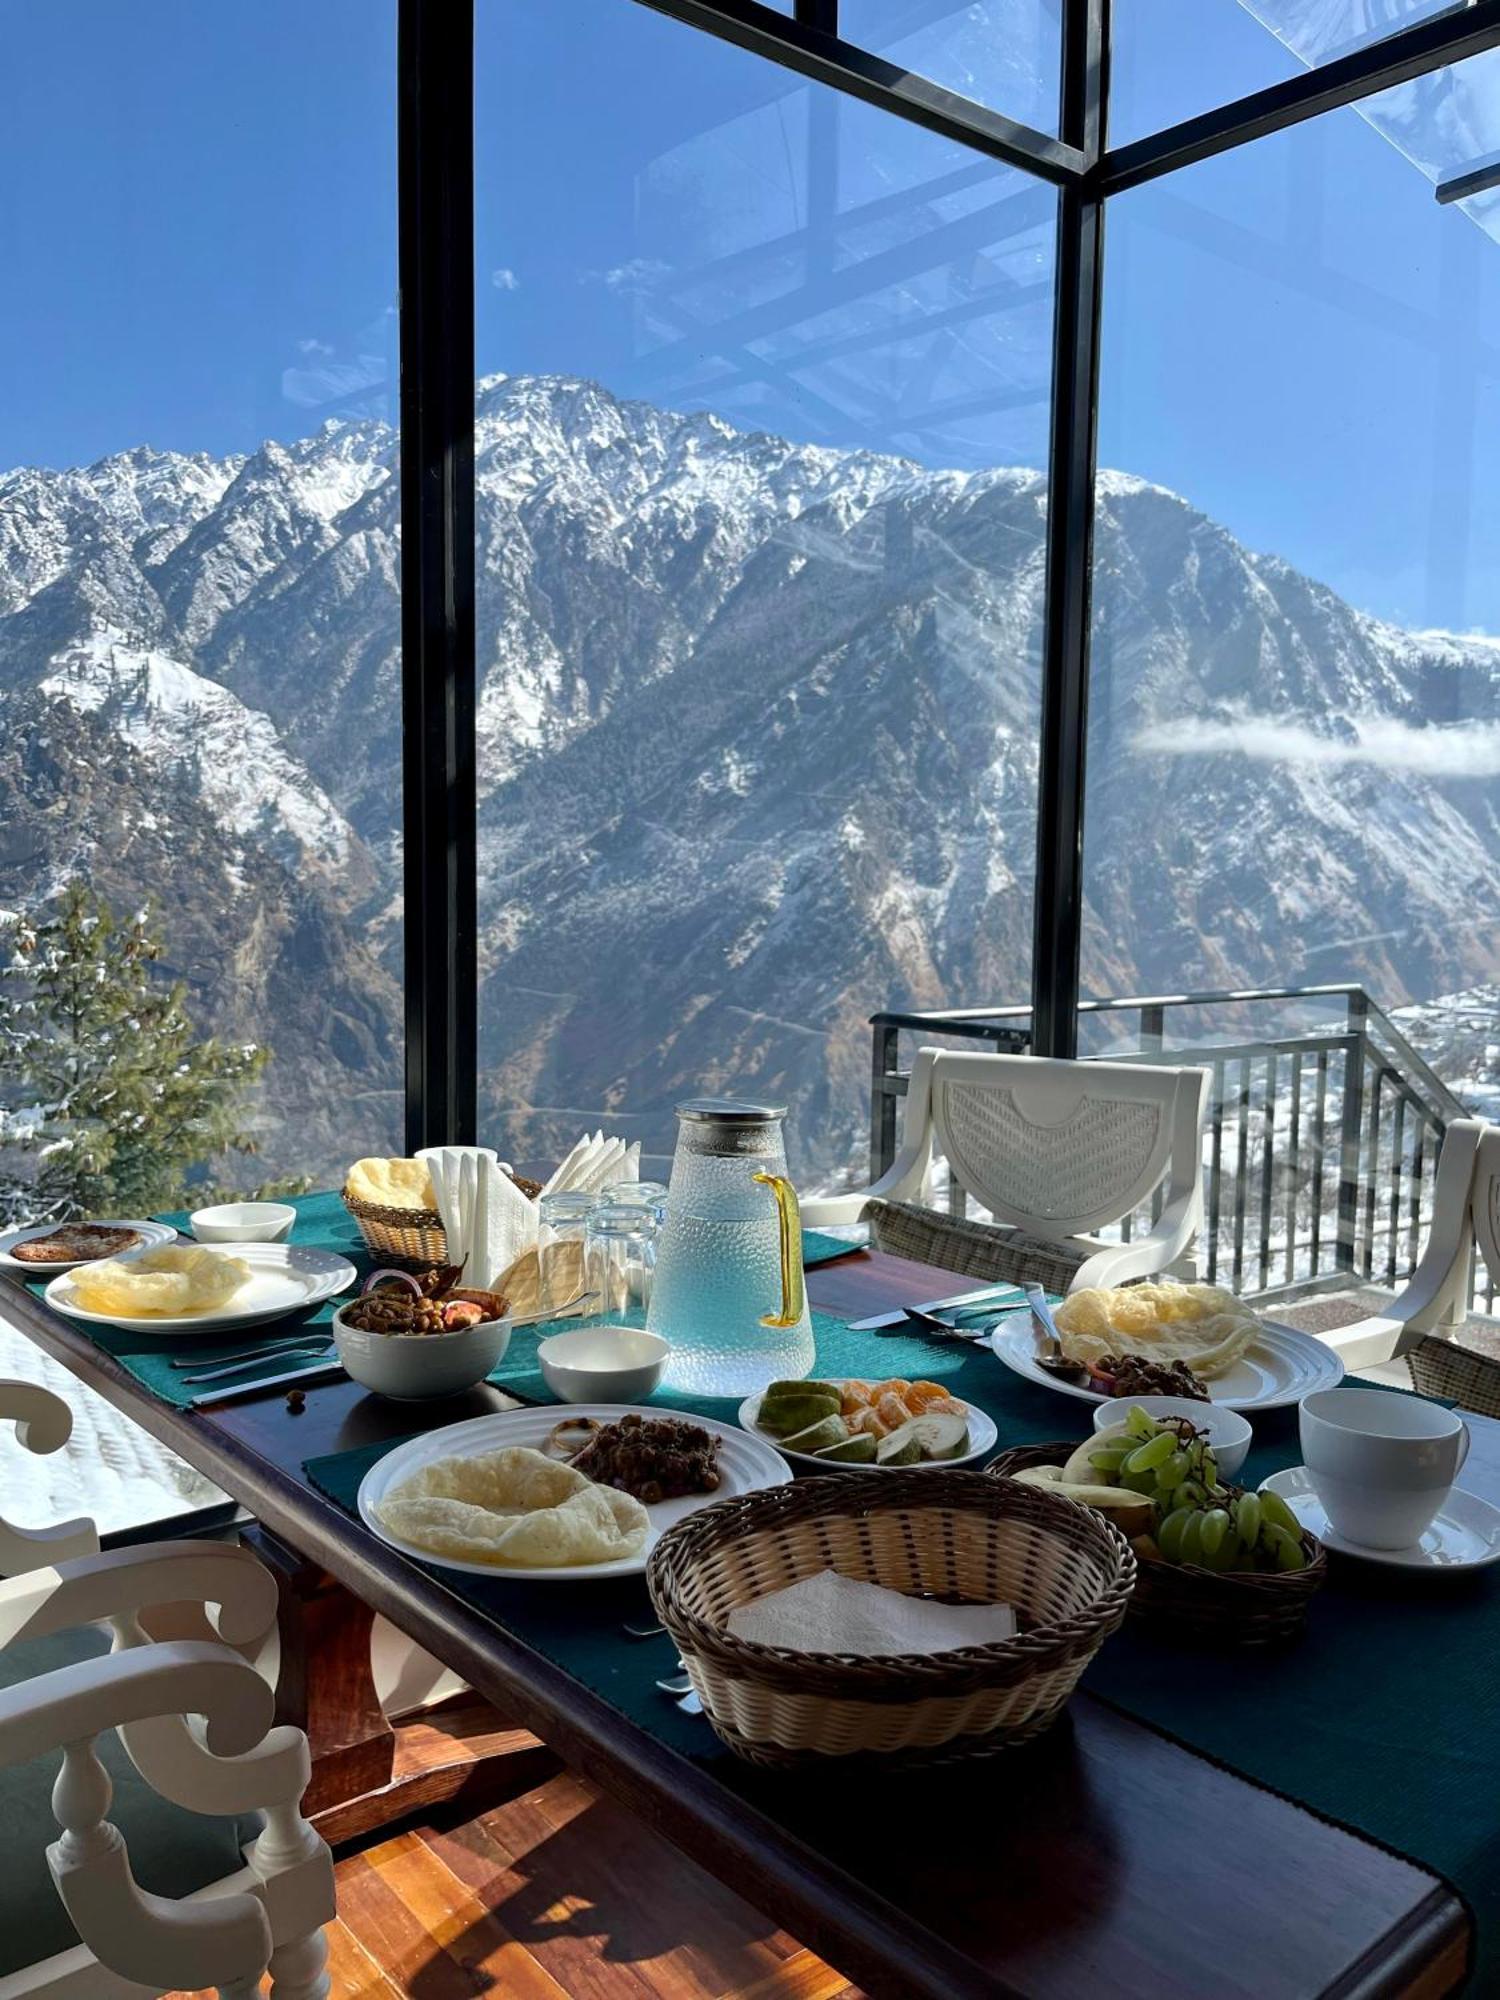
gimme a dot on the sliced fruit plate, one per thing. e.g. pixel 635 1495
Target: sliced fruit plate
pixel 828 1424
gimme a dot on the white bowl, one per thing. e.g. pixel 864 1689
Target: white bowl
pixel 413 1367
pixel 603 1364
pixel 243 1222
pixel 1228 1431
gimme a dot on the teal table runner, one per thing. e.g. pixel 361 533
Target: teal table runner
pixel 323 1223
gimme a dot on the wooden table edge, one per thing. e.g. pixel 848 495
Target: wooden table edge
pixel 877 1948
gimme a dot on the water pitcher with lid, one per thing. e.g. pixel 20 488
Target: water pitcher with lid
pixel 728 1289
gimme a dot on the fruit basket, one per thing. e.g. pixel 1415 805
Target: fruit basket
pixel 953 1535
pixel 409 1236
pixel 1211 1607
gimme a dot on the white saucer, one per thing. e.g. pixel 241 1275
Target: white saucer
pixel 1465 1535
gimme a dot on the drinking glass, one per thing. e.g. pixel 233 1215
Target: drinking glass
pixel 636 1194
pixel 619 1259
pixel 560 1247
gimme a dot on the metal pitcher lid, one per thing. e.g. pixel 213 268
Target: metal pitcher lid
pixel 729 1111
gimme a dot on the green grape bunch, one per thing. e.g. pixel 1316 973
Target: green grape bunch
pixel 1198 1519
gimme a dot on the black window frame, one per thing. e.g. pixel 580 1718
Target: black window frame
pixel 435 44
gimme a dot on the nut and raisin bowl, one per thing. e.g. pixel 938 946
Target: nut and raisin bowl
pixel 414 1338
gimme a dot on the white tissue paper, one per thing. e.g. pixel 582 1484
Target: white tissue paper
pixel 829 1613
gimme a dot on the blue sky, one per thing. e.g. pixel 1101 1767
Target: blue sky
pixel 199 237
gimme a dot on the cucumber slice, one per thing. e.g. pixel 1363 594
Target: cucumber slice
pixel 794 1413
pixel 857 1449
pixel 941 1436
pixel 827 1390
pixel 901 1447
pixel 819 1436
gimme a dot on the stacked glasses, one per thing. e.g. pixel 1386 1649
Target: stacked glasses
pixel 603 1244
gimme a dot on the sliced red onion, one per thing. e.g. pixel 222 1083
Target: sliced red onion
pixel 378 1278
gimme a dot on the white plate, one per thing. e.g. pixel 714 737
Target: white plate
pixel 983 1437
pixel 1465 1535
pixel 285 1278
pixel 1282 1367
pixel 150 1233
pixel 745 1464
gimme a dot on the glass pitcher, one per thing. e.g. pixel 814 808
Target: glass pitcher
pixel 728 1289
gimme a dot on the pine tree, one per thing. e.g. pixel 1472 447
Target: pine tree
pixel 111 1099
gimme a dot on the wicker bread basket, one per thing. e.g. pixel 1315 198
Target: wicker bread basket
pixel 412 1236
pixel 952 1535
pixel 1210 1607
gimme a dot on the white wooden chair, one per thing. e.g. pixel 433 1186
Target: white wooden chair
pixel 1057 1151
pixel 195 1720
pixel 1448 1350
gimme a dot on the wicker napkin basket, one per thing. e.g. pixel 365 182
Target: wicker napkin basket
pixel 1206 1606
pixel 409 1236
pixel 952 1535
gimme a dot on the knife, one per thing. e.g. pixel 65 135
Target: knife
pixel 321 1371
pixel 990 1294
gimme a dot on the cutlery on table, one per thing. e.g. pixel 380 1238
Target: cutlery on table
pixel 641 1631
pixel 268 1349
pixel 932 1328
pixel 293 1377
pixel 988 1295
pixel 308 1348
pixel 678 1684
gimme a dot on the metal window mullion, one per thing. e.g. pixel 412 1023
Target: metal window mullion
pixel 1435 42
pixel 435 151
pixel 1057 920
pixel 798 44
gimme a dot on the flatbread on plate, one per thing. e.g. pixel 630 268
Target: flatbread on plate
pixel 1201 1325
pixel 514 1508
pixel 173 1280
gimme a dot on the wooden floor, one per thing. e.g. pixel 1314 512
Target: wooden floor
pixel 555 1895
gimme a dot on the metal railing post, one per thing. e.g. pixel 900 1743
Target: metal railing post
pixel 1351 1129
pixel 884 1059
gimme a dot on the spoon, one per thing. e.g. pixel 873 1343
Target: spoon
pixel 1049 1352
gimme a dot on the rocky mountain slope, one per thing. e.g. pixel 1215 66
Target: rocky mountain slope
pixel 757 751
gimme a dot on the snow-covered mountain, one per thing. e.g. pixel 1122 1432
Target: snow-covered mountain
pixel 757 756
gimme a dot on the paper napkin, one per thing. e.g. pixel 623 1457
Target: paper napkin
pixel 829 1613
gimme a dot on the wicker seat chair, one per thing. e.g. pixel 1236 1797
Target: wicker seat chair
pixel 1056 1151
pixel 233 1879
pixel 1448 1350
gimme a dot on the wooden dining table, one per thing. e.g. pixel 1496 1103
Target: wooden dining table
pixel 1102 1858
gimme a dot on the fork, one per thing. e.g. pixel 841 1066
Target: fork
pixel 271 1347
pixel 254 1361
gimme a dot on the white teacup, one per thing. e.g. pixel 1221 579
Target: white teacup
pixel 1381 1463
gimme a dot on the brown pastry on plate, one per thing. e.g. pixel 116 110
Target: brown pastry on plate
pixel 76 1243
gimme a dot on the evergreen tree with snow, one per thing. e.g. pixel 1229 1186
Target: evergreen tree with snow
pixel 111 1099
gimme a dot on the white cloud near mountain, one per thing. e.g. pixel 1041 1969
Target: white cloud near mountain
pixel 1457 750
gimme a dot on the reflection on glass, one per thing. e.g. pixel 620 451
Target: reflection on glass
pixel 1004 54
pixel 761 508
pixel 199 671
pixel 1295 715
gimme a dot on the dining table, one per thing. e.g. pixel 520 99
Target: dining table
pixel 1106 1856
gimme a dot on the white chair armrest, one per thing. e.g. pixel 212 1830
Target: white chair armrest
pixel 122 1583
pixel 44 1423
pixel 1149 1255
pixel 160 1942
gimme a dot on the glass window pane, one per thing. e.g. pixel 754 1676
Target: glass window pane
pixel 761 502
pixel 198 584
pixel 1001 53
pixel 1295 710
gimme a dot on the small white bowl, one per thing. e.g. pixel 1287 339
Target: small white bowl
pixel 603 1364
pixel 414 1367
pixel 243 1222
pixel 1228 1432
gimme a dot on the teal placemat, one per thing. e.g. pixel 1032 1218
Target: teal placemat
pixel 1384 1718
pixel 323 1223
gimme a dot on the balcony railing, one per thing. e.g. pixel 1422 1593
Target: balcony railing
pixel 1322 1136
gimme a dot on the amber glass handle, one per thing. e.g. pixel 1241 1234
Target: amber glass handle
pixel 793 1299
